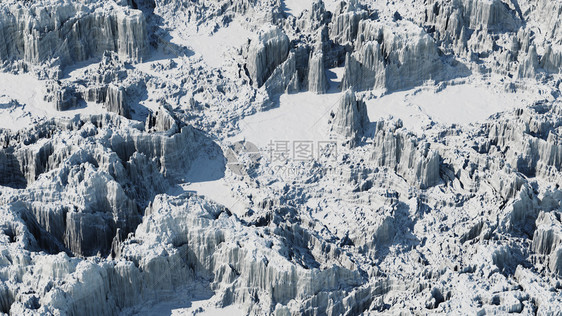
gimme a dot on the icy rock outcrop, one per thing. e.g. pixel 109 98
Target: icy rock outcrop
pixel 169 152
pixel 374 231
pixel 481 43
pixel 216 13
pixel 547 14
pixel 79 216
pixel 35 160
pixel 317 80
pixel 267 51
pixel 292 75
pixel 493 15
pixel 547 239
pixel 90 227
pixel 237 270
pixel 182 242
pixel 479 29
pixel 112 83
pixel 345 23
pixel 71 32
pixel 507 183
pixel 548 233
pixel 62 97
pixel 530 141
pixel 529 65
pixel 115 101
pixel 410 158
pixel 388 59
pixel 97 161
pixel 555 265
pixel 548 303
pixel 314 18
pixel 162 121
pixel 285 78
pixel 10 172
pixel 551 61
pixel 450 17
pixel 350 118
pixel 520 214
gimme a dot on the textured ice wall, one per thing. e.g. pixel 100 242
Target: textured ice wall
pixel 391 58
pixel 70 32
pixel 350 117
pixel 104 169
pixel 410 158
pixel 267 51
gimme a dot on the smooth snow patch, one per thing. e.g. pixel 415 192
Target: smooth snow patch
pixel 295 7
pixel 29 91
pixel 206 178
pixel 457 104
pixel 305 116
pixel 299 117
pixel 193 300
pixel 76 70
pixel 213 48
pixel 23 88
pixel 219 192
pixel 198 308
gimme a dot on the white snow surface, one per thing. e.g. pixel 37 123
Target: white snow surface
pixel 213 48
pixel 302 116
pixel 296 7
pixel 460 104
pixel 28 91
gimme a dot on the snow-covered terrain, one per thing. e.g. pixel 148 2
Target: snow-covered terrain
pixel 280 157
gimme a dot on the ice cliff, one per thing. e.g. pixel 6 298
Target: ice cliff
pixel 388 59
pixel 67 32
pixel 350 117
pixel 265 53
pixel 96 169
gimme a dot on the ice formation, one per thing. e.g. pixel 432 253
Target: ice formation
pixel 133 180
pixel 391 57
pixel 350 117
pixel 317 80
pixel 265 53
pixel 64 32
